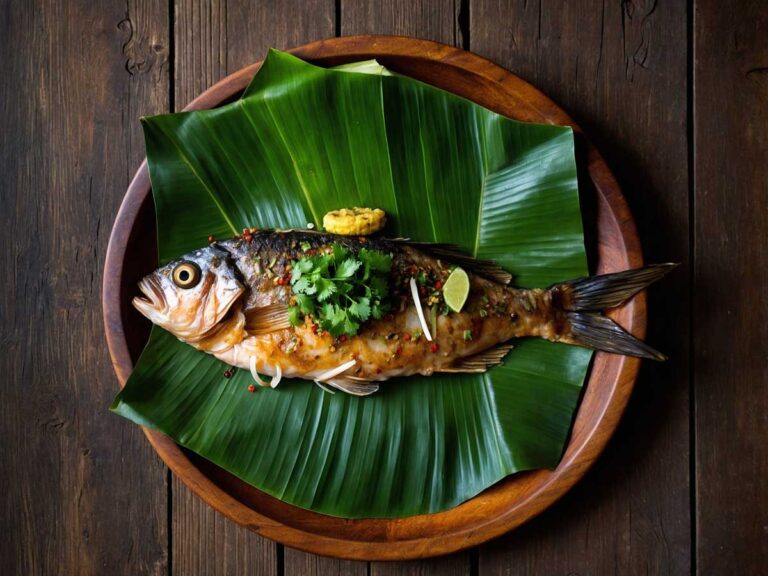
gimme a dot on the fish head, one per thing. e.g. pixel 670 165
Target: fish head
pixel 190 296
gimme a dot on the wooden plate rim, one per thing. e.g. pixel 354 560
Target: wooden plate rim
pixel 614 374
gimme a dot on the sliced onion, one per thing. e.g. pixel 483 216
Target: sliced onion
pixel 336 371
pixel 325 388
pixel 254 373
pixel 419 311
pixel 277 377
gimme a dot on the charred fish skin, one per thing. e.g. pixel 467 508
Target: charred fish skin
pixel 395 345
pixel 237 310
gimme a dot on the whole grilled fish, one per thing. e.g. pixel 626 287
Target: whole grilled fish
pixel 231 299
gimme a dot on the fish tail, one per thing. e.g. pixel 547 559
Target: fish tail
pixel 583 300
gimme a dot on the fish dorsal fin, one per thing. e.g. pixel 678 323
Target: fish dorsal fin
pixel 266 319
pixel 353 386
pixel 480 362
pixel 455 254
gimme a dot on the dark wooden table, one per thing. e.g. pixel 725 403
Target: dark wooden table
pixel 674 93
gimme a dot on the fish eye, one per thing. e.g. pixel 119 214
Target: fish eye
pixel 186 274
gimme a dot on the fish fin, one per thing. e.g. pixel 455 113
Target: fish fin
pixel 601 333
pixel 266 319
pixel 610 290
pixel 455 254
pixel 583 298
pixel 356 387
pixel 479 363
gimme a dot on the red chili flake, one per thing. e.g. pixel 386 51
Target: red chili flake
pixel 438 285
pixel 246 231
pixel 378 370
pixel 406 337
pixel 251 388
pixel 412 270
pixel 343 338
pixel 398 350
pixel 210 238
pixel 280 281
pixel 433 347
pixel 314 328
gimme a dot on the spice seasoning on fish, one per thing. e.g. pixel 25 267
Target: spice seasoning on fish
pixel 322 300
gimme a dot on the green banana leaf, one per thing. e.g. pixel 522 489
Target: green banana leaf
pixel 304 140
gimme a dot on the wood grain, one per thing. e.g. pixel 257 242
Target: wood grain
pixel 730 280
pixel 204 542
pixel 620 70
pixel 214 38
pixel 81 492
pixel 298 563
pixel 432 20
pixel 510 502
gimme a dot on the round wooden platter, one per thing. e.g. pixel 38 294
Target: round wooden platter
pixel 506 505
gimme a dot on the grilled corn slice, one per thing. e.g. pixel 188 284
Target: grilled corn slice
pixel 355 221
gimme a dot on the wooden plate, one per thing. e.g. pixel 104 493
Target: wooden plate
pixel 502 507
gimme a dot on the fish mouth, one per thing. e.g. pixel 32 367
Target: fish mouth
pixel 153 301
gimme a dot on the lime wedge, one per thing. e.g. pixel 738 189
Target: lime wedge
pixel 456 289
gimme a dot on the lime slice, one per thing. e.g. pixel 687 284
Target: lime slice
pixel 456 289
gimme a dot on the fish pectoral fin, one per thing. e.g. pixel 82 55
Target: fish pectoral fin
pixel 266 319
pixel 479 363
pixel 356 387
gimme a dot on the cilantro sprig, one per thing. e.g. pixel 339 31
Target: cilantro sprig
pixel 339 290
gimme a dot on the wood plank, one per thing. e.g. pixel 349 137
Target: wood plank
pixel 435 21
pixel 430 19
pixel 82 491
pixel 730 279
pixel 215 38
pixel 298 563
pixel 453 565
pixel 205 542
pixel 620 70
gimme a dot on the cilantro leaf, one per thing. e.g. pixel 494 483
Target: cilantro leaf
pixel 347 268
pixel 339 253
pixel 341 290
pixel 361 309
pixel 305 304
pixel 301 285
pixel 295 316
pixel 325 289
pixel 375 260
pixel 350 326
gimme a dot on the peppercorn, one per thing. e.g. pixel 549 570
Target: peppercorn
pixel 251 388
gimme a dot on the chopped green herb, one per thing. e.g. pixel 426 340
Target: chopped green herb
pixel 305 246
pixel 467 335
pixel 433 321
pixel 339 290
